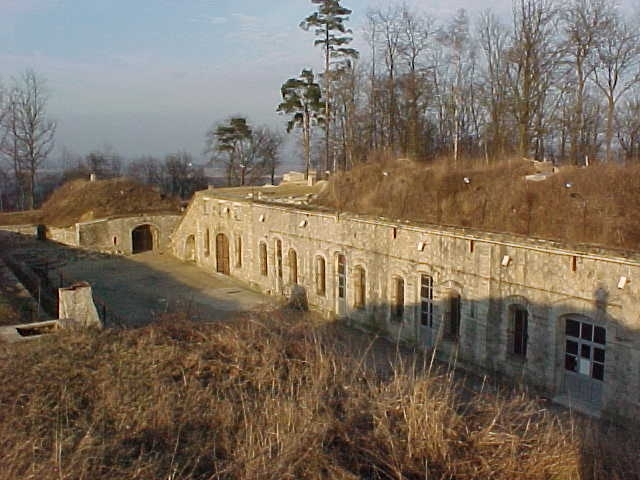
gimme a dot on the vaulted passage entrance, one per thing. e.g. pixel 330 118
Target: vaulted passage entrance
pixel 142 239
pixel 222 254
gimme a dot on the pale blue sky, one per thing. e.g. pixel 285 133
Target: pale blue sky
pixel 151 76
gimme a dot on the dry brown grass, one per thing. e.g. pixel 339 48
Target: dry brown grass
pixel 601 208
pixel 82 200
pixel 266 397
pixel 10 310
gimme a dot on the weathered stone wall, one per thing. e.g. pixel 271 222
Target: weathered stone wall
pixel 491 274
pixel 66 236
pixel 21 229
pixel 115 234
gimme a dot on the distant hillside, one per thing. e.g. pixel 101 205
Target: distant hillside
pixel 597 205
pixel 82 200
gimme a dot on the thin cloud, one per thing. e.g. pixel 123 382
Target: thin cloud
pixel 210 20
pixel 8 7
pixel 246 19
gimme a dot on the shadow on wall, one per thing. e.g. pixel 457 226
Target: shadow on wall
pixel 578 357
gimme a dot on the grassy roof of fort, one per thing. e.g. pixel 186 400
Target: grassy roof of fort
pixel 83 200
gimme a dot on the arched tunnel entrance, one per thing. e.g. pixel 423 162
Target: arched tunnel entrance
pixel 142 238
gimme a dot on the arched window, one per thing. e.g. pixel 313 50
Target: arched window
pixel 207 243
pixel 452 316
pixel 190 248
pixel 264 267
pixel 342 276
pixel 293 266
pixel 397 307
pixel 238 251
pixel 426 300
pixel 518 329
pixel 279 257
pixel 359 287
pixel 321 282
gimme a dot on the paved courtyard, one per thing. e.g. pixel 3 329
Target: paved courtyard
pixel 138 288
pixel 135 289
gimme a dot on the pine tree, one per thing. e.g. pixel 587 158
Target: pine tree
pixel 333 35
pixel 232 139
pixel 302 97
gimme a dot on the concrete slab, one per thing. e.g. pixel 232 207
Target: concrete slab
pixel 28 331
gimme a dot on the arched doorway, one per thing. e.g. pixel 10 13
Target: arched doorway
pixel 190 248
pixel 452 315
pixel 222 254
pixel 142 239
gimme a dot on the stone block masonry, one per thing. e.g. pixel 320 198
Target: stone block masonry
pixel 564 321
pixel 123 235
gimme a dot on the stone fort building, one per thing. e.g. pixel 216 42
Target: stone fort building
pixel 564 321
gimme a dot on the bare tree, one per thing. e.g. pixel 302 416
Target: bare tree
pixel 615 69
pixel 183 176
pixel 416 33
pixel 148 170
pixel 460 58
pixel 28 132
pixel 584 24
pixel 389 31
pixel 265 153
pixel 532 57
pixel 493 40
pixel 628 128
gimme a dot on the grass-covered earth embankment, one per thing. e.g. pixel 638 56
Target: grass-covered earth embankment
pixel 598 205
pixel 272 397
pixel 83 200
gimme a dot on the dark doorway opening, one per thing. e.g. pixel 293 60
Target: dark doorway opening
pixel 222 254
pixel 142 239
pixel 190 248
pixel 41 232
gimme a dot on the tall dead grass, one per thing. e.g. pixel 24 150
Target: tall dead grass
pixel 602 206
pixel 267 397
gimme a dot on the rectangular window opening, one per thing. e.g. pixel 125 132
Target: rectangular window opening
pixel 398 300
pixel 426 301
pixel 320 276
pixel 279 257
pixel 520 331
pixel 342 276
pixel 359 286
pixel 452 317
pixel 238 251
pixel 264 268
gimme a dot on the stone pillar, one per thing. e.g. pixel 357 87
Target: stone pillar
pixel 76 306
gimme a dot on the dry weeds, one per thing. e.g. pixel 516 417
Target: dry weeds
pixel 82 200
pixel 602 206
pixel 267 397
